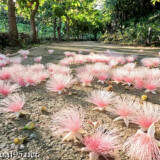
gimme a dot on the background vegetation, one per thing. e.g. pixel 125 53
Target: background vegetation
pixel 111 21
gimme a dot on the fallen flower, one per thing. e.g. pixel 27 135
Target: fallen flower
pixel 103 143
pixel 143 146
pixel 101 99
pixel 70 121
pixel 13 103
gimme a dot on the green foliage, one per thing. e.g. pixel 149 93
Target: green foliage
pixel 119 21
pixel 135 33
pixel 25 28
pixel 59 11
pixel 154 1
pixel 130 20
pixel 3 19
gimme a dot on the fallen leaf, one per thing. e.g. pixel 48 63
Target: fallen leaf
pixel 109 88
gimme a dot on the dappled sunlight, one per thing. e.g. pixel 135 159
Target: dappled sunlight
pixel 96 47
pixel 80 80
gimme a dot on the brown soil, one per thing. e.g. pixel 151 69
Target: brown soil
pixel 48 146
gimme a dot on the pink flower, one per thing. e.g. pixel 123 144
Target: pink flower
pixel 25 57
pixel 117 75
pixel 30 75
pixel 153 73
pixel 42 75
pixel 140 77
pixel 141 51
pixel 89 58
pixel 145 115
pixel 138 83
pixel 143 146
pixel 79 59
pixel 19 78
pixel 92 57
pixel 128 77
pixel 66 61
pixel 57 69
pixel 150 62
pixel 38 59
pixel 36 67
pixel 98 68
pixel 106 59
pixel 131 59
pixel 103 143
pixel 3 63
pixel 152 84
pixel 108 52
pixel 7 60
pixel 31 80
pixel 7 88
pixel 86 68
pixel 13 103
pixel 51 67
pixel 2 57
pixel 147 62
pixel 123 107
pixel 121 59
pixel 86 78
pixel 129 66
pixel 68 54
pixel 113 63
pixel 102 77
pixel 24 52
pixel 6 73
pixel 99 58
pixel 86 51
pixel 59 82
pixel 70 121
pixel 101 99
pixel 17 67
pixel 50 51
pixel 62 70
pixel 80 52
pixel 156 62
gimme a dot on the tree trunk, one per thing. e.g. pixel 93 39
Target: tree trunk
pixel 59 29
pixel 72 32
pixel 78 35
pixel 54 29
pixel 67 27
pixel 13 32
pixel 141 9
pixel 32 21
pixel 95 35
pixel 116 18
pixel 149 40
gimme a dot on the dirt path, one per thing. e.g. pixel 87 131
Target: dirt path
pixel 60 48
pixel 50 147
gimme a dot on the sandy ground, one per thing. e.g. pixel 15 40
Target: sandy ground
pixel 50 147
